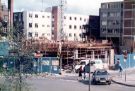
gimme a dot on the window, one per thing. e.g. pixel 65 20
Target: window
pixel 36 25
pixel 70 27
pixel 70 18
pixel 48 25
pixel 30 25
pixel 36 15
pixel 36 34
pixel 80 27
pixel 43 34
pixel 53 17
pixel 84 20
pixel 104 15
pixel 48 16
pixel 43 16
pixel 29 34
pixel 110 30
pixel 70 35
pixel 80 18
pixel 75 27
pixel 48 34
pixel 30 15
pixel 75 18
pixel 43 25
pixel 104 22
pixel 80 35
pixel 64 17
pixel 74 35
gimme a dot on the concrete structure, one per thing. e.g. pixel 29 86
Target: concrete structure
pixel 111 23
pixel 129 25
pixel 37 24
pixel 72 25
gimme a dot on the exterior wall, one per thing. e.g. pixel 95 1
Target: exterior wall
pixel 4 16
pixel 18 24
pixel 111 19
pixel 92 29
pixel 72 25
pixel 37 24
pixel 55 23
pixel 129 25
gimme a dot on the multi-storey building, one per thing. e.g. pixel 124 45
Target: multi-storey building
pixel 111 19
pixel 111 22
pixel 129 25
pixel 72 25
pixel 35 24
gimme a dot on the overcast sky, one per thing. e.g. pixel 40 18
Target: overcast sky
pixel 88 7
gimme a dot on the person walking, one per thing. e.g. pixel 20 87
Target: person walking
pixel 80 72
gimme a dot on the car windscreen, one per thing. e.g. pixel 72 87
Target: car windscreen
pixel 82 63
pixel 102 73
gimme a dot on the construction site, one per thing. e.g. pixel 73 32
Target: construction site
pixel 71 52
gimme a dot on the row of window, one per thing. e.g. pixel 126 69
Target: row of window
pixel 36 16
pixel 30 34
pixel 111 14
pixel 36 25
pixel 75 27
pixel 74 34
pixel 110 22
pixel 111 5
pixel 115 31
pixel 75 18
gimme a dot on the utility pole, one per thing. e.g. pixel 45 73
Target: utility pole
pixel 61 33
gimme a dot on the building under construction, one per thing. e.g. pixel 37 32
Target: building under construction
pixel 71 52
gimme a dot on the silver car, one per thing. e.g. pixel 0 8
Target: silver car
pixel 101 76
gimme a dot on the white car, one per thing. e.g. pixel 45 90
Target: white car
pixel 97 64
pixel 82 63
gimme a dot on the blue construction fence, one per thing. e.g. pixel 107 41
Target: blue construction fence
pixel 4 48
pixel 126 63
pixel 46 65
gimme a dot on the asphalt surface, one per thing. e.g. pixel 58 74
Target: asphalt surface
pixel 52 84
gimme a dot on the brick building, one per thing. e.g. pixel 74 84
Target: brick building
pixel 129 25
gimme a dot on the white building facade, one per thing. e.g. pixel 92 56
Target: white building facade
pixel 37 24
pixel 72 25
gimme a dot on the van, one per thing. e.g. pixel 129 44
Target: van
pixel 81 63
pixel 95 64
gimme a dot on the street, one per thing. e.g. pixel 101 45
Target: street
pixel 53 84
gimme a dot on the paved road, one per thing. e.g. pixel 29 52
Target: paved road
pixel 72 85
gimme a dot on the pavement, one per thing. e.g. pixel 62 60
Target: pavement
pixel 127 77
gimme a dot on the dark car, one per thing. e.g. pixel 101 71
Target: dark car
pixel 101 76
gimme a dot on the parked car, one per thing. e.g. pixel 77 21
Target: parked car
pixel 101 76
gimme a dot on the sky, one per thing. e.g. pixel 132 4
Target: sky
pixel 87 7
